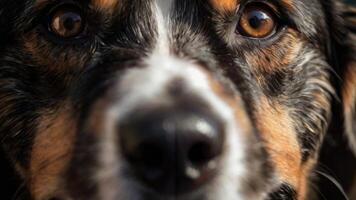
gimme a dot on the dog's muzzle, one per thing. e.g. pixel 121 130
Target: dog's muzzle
pixel 166 131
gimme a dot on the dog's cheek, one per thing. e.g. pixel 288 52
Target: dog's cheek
pixel 349 104
pixel 56 57
pixel 274 65
pixel 51 153
pixel 277 56
pixel 279 136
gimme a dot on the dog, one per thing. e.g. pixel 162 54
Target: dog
pixel 177 99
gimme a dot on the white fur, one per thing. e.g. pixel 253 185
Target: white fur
pixel 162 9
pixel 140 86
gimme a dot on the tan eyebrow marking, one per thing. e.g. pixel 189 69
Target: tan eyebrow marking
pixel 225 5
pixel 108 5
pixel 288 4
pixel 39 4
pixel 231 5
pixel 105 4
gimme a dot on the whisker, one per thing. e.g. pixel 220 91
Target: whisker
pixel 18 195
pixel 315 188
pixel 335 182
pixel 18 192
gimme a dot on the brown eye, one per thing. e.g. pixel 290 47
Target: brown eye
pixel 66 22
pixel 257 22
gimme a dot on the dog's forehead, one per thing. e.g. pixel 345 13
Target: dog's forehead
pixel 304 10
pixel 229 5
pixel 292 5
pixel 164 6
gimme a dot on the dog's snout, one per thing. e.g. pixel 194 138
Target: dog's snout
pixel 172 150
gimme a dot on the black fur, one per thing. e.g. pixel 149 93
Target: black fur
pixel 114 44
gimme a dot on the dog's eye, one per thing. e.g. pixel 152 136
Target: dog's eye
pixel 66 22
pixel 257 21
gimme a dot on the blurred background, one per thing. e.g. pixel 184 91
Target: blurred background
pixel 351 1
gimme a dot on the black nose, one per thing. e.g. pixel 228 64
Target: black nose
pixel 173 151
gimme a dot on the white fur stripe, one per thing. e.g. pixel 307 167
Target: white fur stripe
pixel 162 9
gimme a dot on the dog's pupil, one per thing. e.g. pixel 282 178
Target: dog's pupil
pixel 257 19
pixel 71 21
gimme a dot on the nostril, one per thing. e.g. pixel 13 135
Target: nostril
pixel 200 154
pixel 151 155
pixel 149 160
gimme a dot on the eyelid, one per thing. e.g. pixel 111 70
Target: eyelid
pixel 45 5
pixel 48 6
pixel 275 8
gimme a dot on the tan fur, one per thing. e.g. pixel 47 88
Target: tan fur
pixel 51 152
pixel 282 53
pixel 304 183
pixel 39 4
pixel 97 120
pixel 225 5
pixel 105 5
pixel 288 4
pixel 280 138
pixel 278 134
pixel 231 5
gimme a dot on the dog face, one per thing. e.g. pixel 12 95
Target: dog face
pixel 171 99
